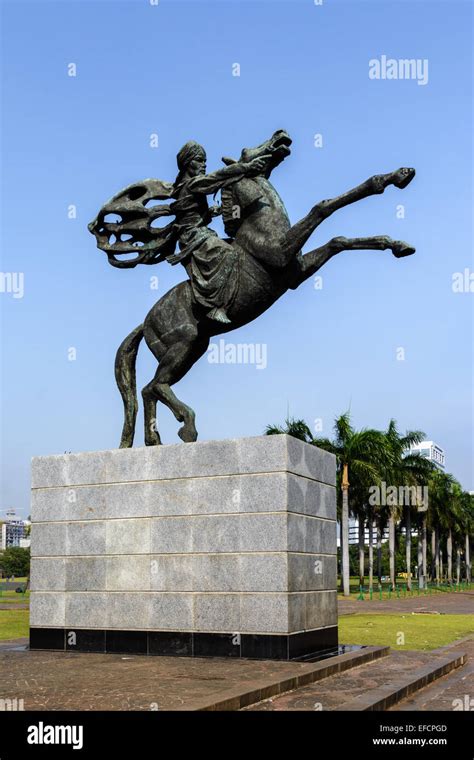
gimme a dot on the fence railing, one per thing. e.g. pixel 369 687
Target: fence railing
pixel 402 591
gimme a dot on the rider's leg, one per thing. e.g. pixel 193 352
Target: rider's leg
pixel 213 276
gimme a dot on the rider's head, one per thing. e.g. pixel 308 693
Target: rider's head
pixel 191 159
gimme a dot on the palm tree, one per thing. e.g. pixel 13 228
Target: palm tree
pixel 454 518
pixel 359 456
pixel 458 564
pixel 415 471
pixel 469 531
pixel 381 521
pixel 297 428
pixel 441 497
pixel 370 523
pixel 403 469
pixel 365 457
pixel 361 524
pixel 459 528
pixel 422 547
pixel 419 552
pixel 466 528
pixel 359 505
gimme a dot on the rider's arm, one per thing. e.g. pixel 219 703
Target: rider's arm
pixel 211 183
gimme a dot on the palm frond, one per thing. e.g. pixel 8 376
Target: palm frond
pixel 274 430
pixel 296 428
pixel 343 429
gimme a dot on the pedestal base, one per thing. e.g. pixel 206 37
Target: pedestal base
pixel 291 646
pixel 224 548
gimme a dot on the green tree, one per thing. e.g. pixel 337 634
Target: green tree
pixel 15 561
pixel 405 471
pixel 441 498
pixel 359 505
pixel 453 521
pixel 364 459
pixel 297 428
pixel 464 531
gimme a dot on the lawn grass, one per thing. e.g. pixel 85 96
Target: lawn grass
pixel 423 631
pixel 11 596
pixel 13 624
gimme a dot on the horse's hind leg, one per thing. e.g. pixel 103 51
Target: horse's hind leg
pixel 174 364
pixel 296 237
pixel 181 411
pixel 310 262
pixel 152 436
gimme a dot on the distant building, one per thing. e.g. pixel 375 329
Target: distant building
pixel 14 532
pixel 354 533
pixel 430 450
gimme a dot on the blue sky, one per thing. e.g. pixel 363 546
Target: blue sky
pixel 167 69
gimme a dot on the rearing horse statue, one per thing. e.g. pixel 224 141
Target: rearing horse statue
pixel 268 262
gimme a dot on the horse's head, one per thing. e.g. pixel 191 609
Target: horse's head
pixel 245 194
pixel 277 148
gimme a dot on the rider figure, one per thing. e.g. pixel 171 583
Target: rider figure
pixel 209 261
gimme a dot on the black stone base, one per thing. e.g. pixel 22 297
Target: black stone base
pixel 293 646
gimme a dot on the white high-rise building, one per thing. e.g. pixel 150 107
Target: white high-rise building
pixel 430 450
pixel 354 533
pixel 13 532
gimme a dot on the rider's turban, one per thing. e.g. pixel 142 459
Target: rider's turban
pixel 188 153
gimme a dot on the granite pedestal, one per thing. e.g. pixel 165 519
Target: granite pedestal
pixel 213 548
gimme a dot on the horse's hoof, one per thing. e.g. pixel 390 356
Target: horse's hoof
pixel 401 249
pixel 188 434
pixel 153 441
pixel 403 177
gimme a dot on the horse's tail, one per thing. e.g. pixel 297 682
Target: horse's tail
pixel 125 376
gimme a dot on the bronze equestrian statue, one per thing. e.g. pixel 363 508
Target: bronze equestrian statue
pixel 232 281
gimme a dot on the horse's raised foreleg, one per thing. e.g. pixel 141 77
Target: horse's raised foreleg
pixel 310 262
pixel 297 235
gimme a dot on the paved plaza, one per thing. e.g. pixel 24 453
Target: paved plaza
pixel 73 681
